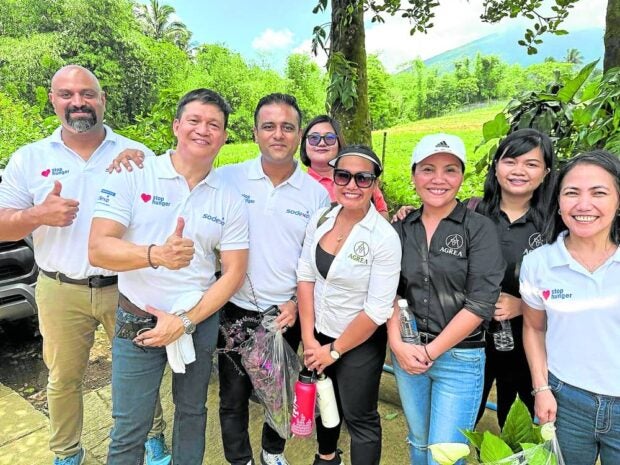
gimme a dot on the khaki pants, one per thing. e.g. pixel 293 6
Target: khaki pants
pixel 68 317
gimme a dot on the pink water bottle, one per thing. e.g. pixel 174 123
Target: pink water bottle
pixel 302 420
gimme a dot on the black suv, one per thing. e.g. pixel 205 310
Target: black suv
pixel 18 276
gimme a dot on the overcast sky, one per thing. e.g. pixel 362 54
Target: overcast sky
pixel 266 31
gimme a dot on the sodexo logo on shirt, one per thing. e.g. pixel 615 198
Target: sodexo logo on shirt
pixel 54 172
pixel 454 242
pixel 306 215
pixel 215 219
pixel 154 199
pixel 104 196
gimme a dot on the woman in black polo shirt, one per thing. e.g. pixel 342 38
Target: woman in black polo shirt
pixel 517 190
pixel 451 271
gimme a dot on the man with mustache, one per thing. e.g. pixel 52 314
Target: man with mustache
pixel 49 189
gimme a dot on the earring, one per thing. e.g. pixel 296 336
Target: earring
pixel 559 212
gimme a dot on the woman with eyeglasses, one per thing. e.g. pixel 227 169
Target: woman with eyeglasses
pixel 320 143
pixel 451 271
pixel 347 277
pixel 571 311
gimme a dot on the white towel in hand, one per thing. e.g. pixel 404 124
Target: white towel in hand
pixel 181 352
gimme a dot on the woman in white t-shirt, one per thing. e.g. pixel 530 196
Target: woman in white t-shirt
pixel 571 310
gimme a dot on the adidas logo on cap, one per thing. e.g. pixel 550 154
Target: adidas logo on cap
pixel 443 143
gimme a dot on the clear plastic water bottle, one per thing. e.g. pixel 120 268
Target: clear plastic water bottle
pixel 502 338
pixel 408 327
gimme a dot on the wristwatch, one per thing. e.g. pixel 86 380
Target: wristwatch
pixel 189 326
pixel 333 352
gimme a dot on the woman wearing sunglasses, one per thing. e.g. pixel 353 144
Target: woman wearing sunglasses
pixel 347 277
pixel 320 143
pixel 452 268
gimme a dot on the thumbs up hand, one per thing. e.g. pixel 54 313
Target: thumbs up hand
pixel 56 210
pixel 177 252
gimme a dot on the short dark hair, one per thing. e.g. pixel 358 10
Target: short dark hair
pixel 514 145
pixel 205 96
pixel 277 98
pixel 601 158
pixel 303 155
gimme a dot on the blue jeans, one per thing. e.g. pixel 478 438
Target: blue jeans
pixel 588 424
pixel 136 376
pixel 440 402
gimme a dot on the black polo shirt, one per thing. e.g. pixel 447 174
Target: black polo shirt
pixel 463 268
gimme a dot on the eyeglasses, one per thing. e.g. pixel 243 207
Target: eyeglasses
pixel 314 139
pixel 363 179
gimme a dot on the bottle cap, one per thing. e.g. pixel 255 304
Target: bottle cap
pixel 306 376
pixel 403 303
pixel 322 376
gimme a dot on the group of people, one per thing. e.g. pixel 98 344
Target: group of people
pixel 138 251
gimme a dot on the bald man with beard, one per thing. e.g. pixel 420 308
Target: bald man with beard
pixel 49 190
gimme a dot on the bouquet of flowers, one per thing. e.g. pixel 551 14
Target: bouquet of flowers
pixel 273 367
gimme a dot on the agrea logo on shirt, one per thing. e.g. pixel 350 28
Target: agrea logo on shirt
pixel 555 294
pixel 454 242
pixel 534 241
pixel 360 251
pixel 154 200
pixel 54 172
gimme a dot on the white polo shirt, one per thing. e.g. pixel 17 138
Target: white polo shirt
pixel 28 179
pixel 148 202
pixel 583 315
pixel 363 276
pixel 278 217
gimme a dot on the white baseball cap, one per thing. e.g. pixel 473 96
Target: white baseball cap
pixel 438 143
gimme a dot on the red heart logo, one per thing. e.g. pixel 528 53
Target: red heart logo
pixel 145 197
pixel 46 173
pixel 546 294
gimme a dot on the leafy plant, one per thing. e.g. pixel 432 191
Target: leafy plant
pixel 520 442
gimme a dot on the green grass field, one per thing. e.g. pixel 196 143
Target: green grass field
pixel 399 146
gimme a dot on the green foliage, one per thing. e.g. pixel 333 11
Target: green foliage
pixel 25 126
pixel 307 83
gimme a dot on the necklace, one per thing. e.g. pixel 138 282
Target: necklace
pixel 592 263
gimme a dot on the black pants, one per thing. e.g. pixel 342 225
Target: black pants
pixel 356 378
pixel 511 373
pixel 235 391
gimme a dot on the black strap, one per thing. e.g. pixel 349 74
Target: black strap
pixel 323 217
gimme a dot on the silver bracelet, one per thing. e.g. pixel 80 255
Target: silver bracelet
pixel 546 387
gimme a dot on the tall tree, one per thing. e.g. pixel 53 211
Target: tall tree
pixel 156 20
pixel 612 35
pixel 573 56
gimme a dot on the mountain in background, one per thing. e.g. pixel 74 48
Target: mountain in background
pixel 504 44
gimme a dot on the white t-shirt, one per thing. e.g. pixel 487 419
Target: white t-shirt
pixel 363 276
pixel 278 217
pixel 148 203
pixel 583 315
pixel 28 179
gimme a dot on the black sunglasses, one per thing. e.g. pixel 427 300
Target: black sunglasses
pixel 314 139
pixel 363 179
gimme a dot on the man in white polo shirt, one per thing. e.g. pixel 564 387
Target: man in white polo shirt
pixel 160 228
pixel 280 198
pixel 49 189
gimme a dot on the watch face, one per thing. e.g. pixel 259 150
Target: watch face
pixel 335 355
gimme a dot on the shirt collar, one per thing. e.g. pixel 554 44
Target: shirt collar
pixel 457 214
pixel 368 222
pixel 110 136
pixel 319 177
pixel 562 257
pixel 256 172
pixel 166 170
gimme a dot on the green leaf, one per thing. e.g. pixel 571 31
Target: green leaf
pixel 474 437
pixel 518 427
pixel 497 127
pixel 493 448
pixel 391 416
pixel 569 90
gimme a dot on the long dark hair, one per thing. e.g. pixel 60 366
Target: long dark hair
pixel 512 146
pixel 303 155
pixel 601 158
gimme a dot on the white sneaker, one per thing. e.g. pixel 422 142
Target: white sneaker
pixel 272 459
